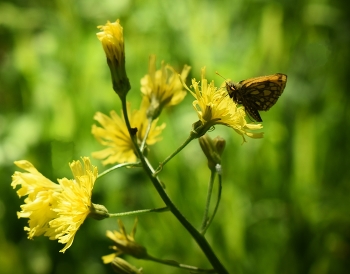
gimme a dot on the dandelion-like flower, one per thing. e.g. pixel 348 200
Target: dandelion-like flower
pixel 112 39
pixel 214 107
pixel 124 244
pixel 57 210
pixel 163 87
pixel 42 197
pixel 74 204
pixel 114 134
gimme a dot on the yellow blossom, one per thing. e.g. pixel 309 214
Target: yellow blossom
pixel 112 39
pixel 124 244
pixel 163 87
pixel 74 204
pixel 57 210
pixel 114 134
pixel 213 107
pixel 42 197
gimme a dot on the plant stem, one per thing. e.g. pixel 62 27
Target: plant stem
pixel 193 269
pixel 160 167
pixel 136 212
pixel 146 134
pixel 218 170
pixel 201 241
pixel 119 166
pixel 207 204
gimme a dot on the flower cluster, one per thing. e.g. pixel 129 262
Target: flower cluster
pixel 56 210
pixel 160 88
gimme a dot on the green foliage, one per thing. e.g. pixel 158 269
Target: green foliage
pixel 284 205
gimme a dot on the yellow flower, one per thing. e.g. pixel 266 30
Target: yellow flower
pixel 114 134
pixel 57 210
pixel 74 204
pixel 124 244
pixel 213 107
pixel 112 39
pixel 42 197
pixel 163 87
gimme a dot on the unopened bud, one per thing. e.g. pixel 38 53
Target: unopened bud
pixel 112 39
pixel 212 148
pixel 121 266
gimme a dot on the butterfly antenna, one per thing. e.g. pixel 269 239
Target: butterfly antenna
pixel 221 76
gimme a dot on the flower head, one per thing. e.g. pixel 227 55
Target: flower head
pixel 114 134
pixel 214 107
pixel 42 197
pixel 163 87
pixel 74 204
pixel 124 244
pixel 112 39
pixel 56 210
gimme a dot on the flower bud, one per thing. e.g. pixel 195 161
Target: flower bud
pixel 121 266
pixel 213 149
pixel 112 39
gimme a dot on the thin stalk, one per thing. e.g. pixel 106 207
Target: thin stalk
pixel 193 269
pixel 218 168
pixel 207 204
pixel 162 164
pixel 201 241
pixel 152 169
pixel 141 211
pixel 119 166
pixel 142 147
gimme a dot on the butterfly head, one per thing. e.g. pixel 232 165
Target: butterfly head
pixel 232 89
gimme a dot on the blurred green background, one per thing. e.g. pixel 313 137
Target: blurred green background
pixel 285 202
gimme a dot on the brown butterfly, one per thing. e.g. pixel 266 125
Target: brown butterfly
pixel 259 93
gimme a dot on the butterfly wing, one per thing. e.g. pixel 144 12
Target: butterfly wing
pixel 261 93
pixel 251 110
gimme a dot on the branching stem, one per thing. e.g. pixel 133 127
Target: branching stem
pixel 198 237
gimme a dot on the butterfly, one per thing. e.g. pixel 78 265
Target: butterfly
pixel 256 94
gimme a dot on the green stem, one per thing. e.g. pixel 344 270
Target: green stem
pixel 146 134
pixel 152 169
pixel 201 241
pixel 119 166
pixel 193 269
pixel 160 167
pixel 136 212
pixel 207 204
pixel 218 170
